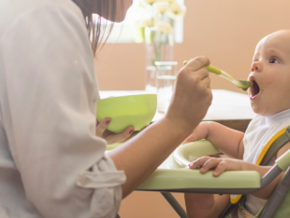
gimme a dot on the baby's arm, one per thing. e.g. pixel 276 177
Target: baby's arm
pixel 226 164
pixel 227 140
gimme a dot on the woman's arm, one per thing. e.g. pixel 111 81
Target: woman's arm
pixel 141 155
pixel 227 140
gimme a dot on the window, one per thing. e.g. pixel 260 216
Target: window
pixel 126 31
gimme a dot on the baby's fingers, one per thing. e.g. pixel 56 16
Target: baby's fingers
pixel 228 165
pixel 211 163
pixel 220 168
pixel 219 165
pixel 190 138
pixel 198 163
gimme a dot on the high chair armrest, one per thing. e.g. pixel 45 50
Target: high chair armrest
pixel 270 175
pixel 284 161
pixel 188 152
pixel 188 180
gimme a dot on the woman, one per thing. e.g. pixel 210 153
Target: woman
pixel 51 162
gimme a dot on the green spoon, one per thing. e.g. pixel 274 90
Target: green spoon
pixel 243 84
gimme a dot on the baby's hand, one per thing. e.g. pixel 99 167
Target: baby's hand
pixel 219 165
pixel 200 132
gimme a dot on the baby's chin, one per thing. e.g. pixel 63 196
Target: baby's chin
pixel 266 111
pixel 261 110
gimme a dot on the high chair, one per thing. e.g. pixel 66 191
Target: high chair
pixel 174 176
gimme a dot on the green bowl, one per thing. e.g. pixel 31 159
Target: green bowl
pixel 125 111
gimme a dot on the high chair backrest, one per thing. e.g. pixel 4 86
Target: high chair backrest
pixel 283 209
pixel 270 149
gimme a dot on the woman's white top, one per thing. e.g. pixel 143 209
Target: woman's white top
pixel 51 163
pixel 260 131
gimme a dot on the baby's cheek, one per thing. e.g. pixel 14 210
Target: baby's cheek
pixel 269 83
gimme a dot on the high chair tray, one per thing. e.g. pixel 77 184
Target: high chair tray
pixel 174 176
pixel 188 180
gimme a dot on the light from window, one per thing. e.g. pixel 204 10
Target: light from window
pixel 125 32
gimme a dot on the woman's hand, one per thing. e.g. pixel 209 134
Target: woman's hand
pixel 101 131
pixel 219 165
pixel 192 95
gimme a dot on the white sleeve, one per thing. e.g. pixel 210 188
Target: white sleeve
pixel 50 123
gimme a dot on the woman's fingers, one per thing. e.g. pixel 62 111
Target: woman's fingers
pixel 192 95
pixel 119 137
pixel 197 63
pixel 101 128
pixel 101 131
pixel 206 82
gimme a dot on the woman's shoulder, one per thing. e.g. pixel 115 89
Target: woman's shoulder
pixel 38 16
pixel 65 7
pixel 12 12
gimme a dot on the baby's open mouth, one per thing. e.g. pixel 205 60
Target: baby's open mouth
pixel 255 89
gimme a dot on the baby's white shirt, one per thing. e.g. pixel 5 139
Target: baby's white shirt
pixel 259 132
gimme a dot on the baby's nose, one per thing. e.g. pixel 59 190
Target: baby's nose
pixel 256 66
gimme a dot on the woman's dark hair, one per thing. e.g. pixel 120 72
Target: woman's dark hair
pixel 96 25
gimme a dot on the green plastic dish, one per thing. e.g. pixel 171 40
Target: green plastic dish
pixel 125 111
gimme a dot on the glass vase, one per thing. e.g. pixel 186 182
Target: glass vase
pixel 166 72
pixel 159 46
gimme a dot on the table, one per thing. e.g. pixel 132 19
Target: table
pixel 229 108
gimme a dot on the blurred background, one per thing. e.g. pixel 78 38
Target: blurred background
pixel 226 31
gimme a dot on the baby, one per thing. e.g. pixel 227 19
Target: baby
pixel 269 98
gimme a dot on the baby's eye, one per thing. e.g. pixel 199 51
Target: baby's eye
pixel 274 61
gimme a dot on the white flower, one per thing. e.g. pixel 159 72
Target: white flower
pixel 176 10
pixel 169 1
pixel 163 27
pixel 150 2
pixel 160 7
pixel 147 22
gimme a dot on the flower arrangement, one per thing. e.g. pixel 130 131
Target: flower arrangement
pixel 156 24
pixel 161 14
